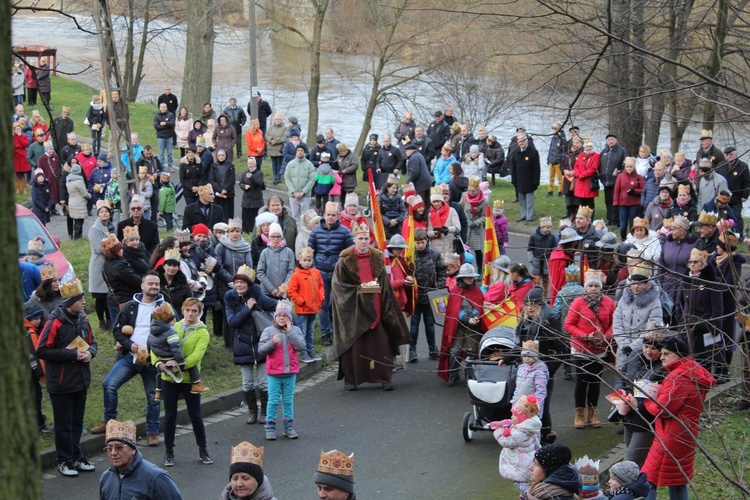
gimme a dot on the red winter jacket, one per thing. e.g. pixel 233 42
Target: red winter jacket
pixel 20 150
pixel 586 166
pixel 682 393
pixel 582 322
pixel 624 182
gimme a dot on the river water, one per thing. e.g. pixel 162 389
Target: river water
pixel 282 76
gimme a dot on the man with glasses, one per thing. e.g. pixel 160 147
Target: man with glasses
pixel 131 475
pixel 148 230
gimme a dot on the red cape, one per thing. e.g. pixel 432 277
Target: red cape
pixel 455 298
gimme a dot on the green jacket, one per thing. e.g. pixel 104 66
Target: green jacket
pixel 194 342
pixel 167 198
pixel 299 176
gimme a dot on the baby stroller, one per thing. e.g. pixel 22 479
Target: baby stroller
pixel 490 386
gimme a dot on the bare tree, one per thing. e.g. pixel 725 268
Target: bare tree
pixel 199 54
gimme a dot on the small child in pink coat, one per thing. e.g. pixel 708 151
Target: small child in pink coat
pixel 519 438
pixel 335 193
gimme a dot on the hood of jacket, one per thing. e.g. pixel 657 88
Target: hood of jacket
pixel 138 297
pixel 566 477
pixel 649 295
pixel 158 327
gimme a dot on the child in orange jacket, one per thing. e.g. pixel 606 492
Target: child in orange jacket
pixel 33 323
pixel 307 292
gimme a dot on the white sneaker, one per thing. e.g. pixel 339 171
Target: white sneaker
pixel 304 357
pixel 315 357
pixel 66 471
pixel 84 466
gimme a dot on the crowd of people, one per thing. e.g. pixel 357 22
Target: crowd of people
pixel 588 299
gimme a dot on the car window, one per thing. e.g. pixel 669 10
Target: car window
pixel 28 229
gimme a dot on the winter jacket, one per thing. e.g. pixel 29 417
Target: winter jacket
pixel 191 174
pixel 43 79
pixel 464 145
pixel 182 130
pixel 164 131
pixel 281 358
pixel 473 167
pixel 633 491
pixel 539 250
pixel 176 292
pixel 225 135
pixel 192 137
pixel 193 215
pixel 556 148
pixel 77 196
pixel 637 370
pixel 737 175
pixel 264 492
pixel 713 153
pixel 582 322
pixel 563 484
pixel 725 213
pixel 328 243
pixel 392 208
pixel 236 116
pixel 299 176
pixel 64 373
pixel 547 330
pixel 370 160
pixel 443 243
pixel 670 460
pixel 289 153
pixel 587 164
pixel 673 263
pixel 137 257
pixel 277 135
pixel 631 315
pixel 240 319
pixel 419 173
pixel 458 187
pixel 324 179
pixel 439 133
pixel 708 188
pixel 252 197
pixel 612 162
pixel 649 246
pixel 519 443
pixel 20 154
pixel 164 342
pixel 501 229
pixel 99 179
pixel 699 300
pixel 222 178
pixel 426 147
pixel 97 233
pixel 230 256
pixel 142 480
pixel 390 159
pixel 442 171
pixel 167 198
pixel 146 190
pixel 475 221
pixel 256 144
pixel 429 272
pixel 275 266
pixel 122 279
pixel 656 213
pixel 651 189
pixel 306 290
pixel 404 134
pixel 532 379
pixel 348 170
pixel 628 190
pixel 41 200
pixel 528 170
pixel 193 342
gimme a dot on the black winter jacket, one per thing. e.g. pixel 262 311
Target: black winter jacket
pixel 122 279
pixel 176 292
pixel 429 272
pixel 240 319
pixel 253 196
pixel 222 177
pixel 611 163
pixel 164 131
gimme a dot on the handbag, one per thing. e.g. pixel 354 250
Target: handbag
pixel 458 245
pixel 262 319
pixel 594 181
pixel 86 121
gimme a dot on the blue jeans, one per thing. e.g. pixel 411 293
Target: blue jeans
pixel 165 150
pixel 276 162
pixel 281 387
pixel 123 370
pixel 170 394
pixel 675 492
pixel 627 214
pixel 306 323
pixel 325 311
pixel 422 311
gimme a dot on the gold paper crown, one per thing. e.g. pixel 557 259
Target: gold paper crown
pixel 121 431
pixel 205 189
pixel 531 346
pixel 594 274
pixel 362 228
pixel 71 289
pixel 657 333
pixel 209 264
pixel 306 252
pixel 103 203
pixel 408 189
pixel 528 408
pixel 452 258
pixel 50 273
pixel 729 239
pixel 498 204
pixel 683 189
pixel 667 222
pixel 130 233
pixel 235 224
pixel 708 218
pixel 474 182
pixel 640 222
pixel 681 222
pixel 696 254
pixel 392 179
pixel 284 305
pixel 164 312
pixel 640 270
pixel 351 199
pixel 707 134
pixel 172 254
pixel 246 453
pixel 436 190
pixel 109 242
pixel 415 201
pixel 585 211
pixel 248 271
pixel 545 221
pixel 335 462
pixel 182 236
pixel 36 244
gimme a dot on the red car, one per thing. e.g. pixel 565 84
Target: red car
pixel 29 227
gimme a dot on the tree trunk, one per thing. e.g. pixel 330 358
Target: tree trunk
pixel 715 62
pixel 199 55
pixel 321 6
pixel 20 474
pixel 652 126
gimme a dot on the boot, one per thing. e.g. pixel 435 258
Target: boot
pixel 578 422
pixel 591 418
pixel 23 185
pixel 204 457
pixel 263 405
pixel 289 429
pixel 18 185
pixel 157 395
pixel 198 388
pixel 271 430
pixel 251 401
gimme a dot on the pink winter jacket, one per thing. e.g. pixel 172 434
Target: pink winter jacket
pixel 281 358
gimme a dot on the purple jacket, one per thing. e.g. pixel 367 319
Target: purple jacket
pixel 501 229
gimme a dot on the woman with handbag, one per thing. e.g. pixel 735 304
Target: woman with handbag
pixel 589 323
pixel 586 176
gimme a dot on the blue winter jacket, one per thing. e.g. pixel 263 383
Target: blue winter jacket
pixel 142 480
pixel 328 243
pixel 442 170
pixel 240 318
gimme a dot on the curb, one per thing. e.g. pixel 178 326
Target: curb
pixel 94 443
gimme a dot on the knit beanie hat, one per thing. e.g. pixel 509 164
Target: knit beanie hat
pixel 32 311
pixel 625 472
pixel 275 228
pixel 284 308
pixel 552 457
pixel 200 229
pixel 525 408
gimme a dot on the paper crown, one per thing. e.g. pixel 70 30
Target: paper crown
pixel 415 201
pixel 640 270
pixel 131 233
pixel 183 236
pixel 200 141
pixel 452 258
pixel 683 189
pixel 474 182
pixel 526 405
pixel 705 162
pixel 109 242
pixel 284 305
pixel 362 228
pixel 667 222
pixel 121 431
pixel 707 218
pixel 235 224
pixel 50 272
pixel 585 211
pixel 105 204
pixel 392 179
pixel 306 252
pixel 707 134
pixel 680 222
pixel 164 312
pixel 209 264
pixel 36 244
pixel 530 348
pixel 641 222
pixel 351 199
pixel 573 273
pixel 205 189
pixel 497 204
pixel 246 453
pixel 657 333
pixel 594 274
pixel 248 271
pixel 545 221
pixel 724 196
pixel 408 190
pixel 729 239
pixel 696 254
pixel 335 462
pixel 71 289
pixel 172 254
pixel 436 194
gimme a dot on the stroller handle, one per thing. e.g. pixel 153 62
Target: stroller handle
pixel 481 362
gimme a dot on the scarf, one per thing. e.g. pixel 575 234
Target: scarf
pixel 622 490
pixel 240 246
pixel 264 238
pixel 682 204
pixel 593 303
pixel 353 218
pixel 97 107
pixel 276 243
pixel 439 217
pixel 666 204
pixel 205 116
pixel 475 201
pixel 721 258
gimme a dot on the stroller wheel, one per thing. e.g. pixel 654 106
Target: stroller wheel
pixel 367 212
pixel 468 424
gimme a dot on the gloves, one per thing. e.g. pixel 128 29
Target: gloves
pixel 444 230
pixel 475 224
pixel 627 350
pixel 501 423
pixel 630 191
pixel 484 288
